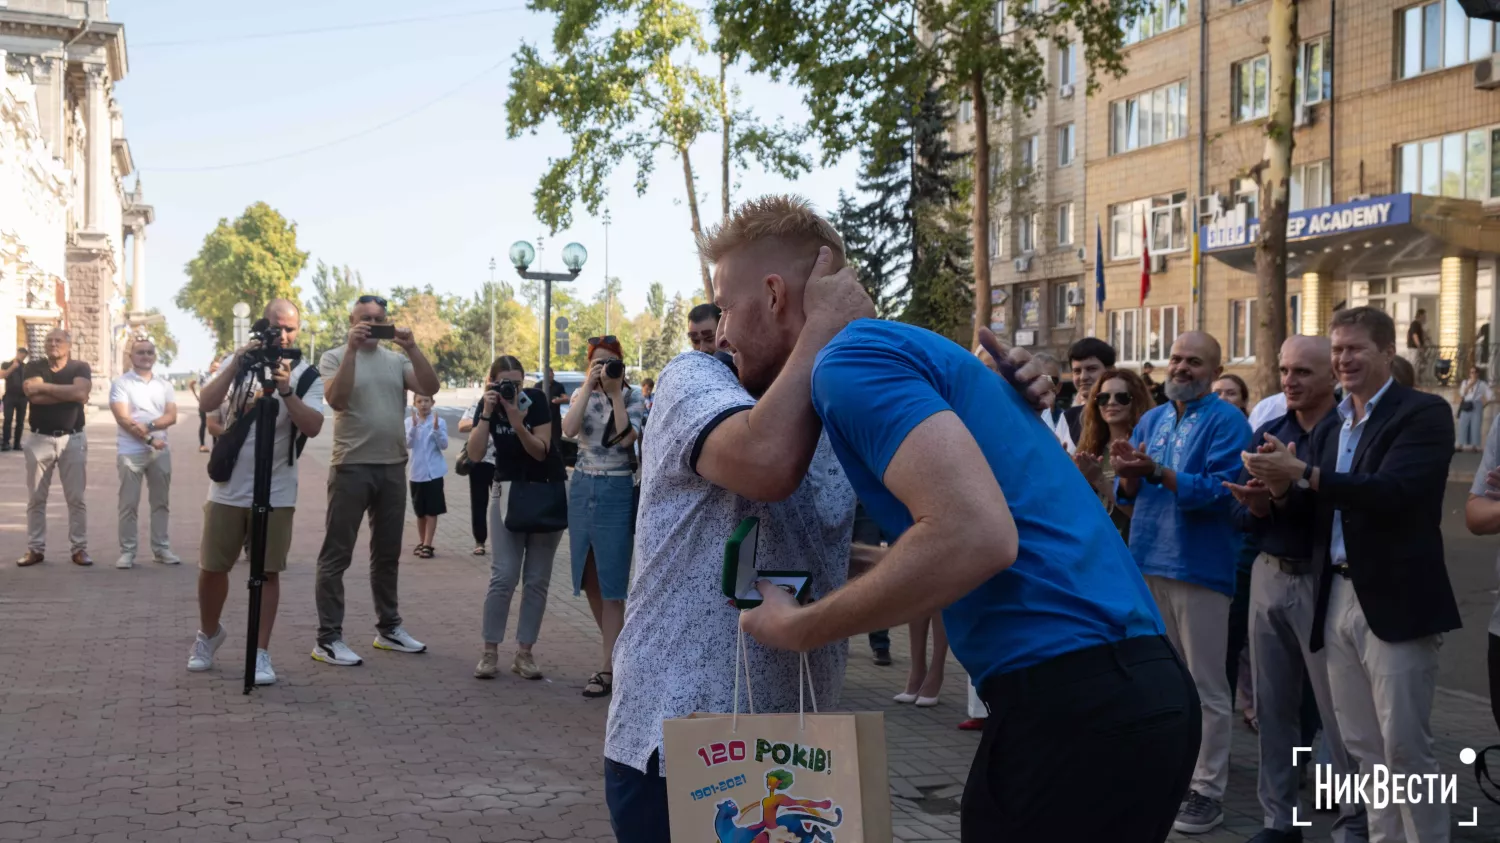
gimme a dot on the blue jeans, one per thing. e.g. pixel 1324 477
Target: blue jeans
pixel 599 510
pixel 637 802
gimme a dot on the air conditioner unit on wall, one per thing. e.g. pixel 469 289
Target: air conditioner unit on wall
pixel 1303 115
pixel 1158 263
pixel 1065 91
pixel 1023 264
pixel 1211 205
pixel 1075 297
pixel 1487 73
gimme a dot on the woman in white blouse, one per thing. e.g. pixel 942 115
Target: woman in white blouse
pixel 1473 396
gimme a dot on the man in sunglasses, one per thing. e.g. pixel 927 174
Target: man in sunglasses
pixel 366 386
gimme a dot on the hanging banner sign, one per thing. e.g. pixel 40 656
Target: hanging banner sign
pixel 1231 230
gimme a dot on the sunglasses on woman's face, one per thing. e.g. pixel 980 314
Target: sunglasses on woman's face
pixel 1121 398
pixel 607 339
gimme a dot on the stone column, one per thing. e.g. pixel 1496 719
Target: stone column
pixel 1457 290
pixel 1317 303
pixel 138 268
pixel 99 131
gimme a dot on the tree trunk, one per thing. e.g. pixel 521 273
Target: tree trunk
pixel 724 115
pixel 981 205
pixel 1274 175
pixel 692 194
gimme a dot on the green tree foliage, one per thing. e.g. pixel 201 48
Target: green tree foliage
pixel 253 259
pixel 878 231
pixel 334 291
pixel 426 314
pixel 853 58
pixel 939 277
pixel 669 340
pixel 656 301
pixel 625 84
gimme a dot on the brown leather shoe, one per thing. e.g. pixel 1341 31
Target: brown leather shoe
pixel 32 557
pixel 81 557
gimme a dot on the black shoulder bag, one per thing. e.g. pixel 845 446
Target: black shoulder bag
pixel 226 452
pixel 540 506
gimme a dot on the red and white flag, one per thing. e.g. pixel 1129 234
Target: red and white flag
pixel 1145 262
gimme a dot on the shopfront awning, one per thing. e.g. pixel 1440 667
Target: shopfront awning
pixel 1396 234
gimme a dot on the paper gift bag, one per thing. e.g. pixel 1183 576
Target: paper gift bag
pixel 778 778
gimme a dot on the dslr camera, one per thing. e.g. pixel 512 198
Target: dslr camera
pixel 613 369
pixel 271 352
pixel 506 389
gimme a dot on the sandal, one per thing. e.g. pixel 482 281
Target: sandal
pixel 599 681
pixel 428 551
pixel 479 550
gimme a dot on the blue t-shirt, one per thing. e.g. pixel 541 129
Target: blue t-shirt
pixel 1074 584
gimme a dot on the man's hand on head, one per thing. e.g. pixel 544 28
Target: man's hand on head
pixel 1016 366
pixel 834 299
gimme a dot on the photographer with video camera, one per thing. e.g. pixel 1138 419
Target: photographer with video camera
pixel 605 418
pixel 227 515
pixel 528 510
pixel 367 388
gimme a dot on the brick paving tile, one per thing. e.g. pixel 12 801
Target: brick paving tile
pixel 105 737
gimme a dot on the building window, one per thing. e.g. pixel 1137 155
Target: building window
pixel 1294 314
pixel 1065 150
pixel 1028 228
pixel 965 109
pixel 1461 165
pixel 1149 118
pixel 1242 329
pixel 1311 186
pixel 1246 192
pixel 1252 88
pixel 1141 334
pixel 1438 35
pixel 1062 312
pixel 994 238
pixel 1167 217
pixel 1001 21
pixel 1159 16
pixel 1065 224
pixel 1067 64
pixel 1313 81
pixel 1031 307
pixel 1029 149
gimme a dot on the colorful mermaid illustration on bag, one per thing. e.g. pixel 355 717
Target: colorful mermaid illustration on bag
pixel 775 827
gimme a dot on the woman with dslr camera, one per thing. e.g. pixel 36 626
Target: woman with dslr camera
pixel 605 418
pixel 518 424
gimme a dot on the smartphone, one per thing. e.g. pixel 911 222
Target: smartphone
pixel 383 332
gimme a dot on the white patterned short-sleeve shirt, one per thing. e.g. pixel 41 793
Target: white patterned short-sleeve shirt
pixel 675 655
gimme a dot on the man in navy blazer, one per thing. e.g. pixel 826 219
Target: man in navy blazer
pixel 1374 478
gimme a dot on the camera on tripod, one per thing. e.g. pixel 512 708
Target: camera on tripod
pixel 270 353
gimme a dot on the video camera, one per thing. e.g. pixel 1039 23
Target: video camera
pixel 271 352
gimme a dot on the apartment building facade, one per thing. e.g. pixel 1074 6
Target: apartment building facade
pixel 1395 186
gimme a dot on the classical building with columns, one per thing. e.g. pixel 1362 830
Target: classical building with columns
pixel 63 153
pixel 1395 186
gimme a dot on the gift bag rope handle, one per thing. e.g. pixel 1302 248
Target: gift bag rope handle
pixel 804 670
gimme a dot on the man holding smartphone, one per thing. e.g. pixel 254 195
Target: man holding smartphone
pixel 366 386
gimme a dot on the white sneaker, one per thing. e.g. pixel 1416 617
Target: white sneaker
pixel 336 653
pixel 202 656
pixel 126 560
pixel 264 674
pixel 399 640
pixel 167 557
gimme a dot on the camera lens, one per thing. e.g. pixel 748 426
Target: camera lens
pixel 507 390
pixel 614 369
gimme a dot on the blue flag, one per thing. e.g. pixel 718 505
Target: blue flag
pixel 1098 265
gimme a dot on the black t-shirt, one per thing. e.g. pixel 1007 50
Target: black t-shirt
pixel 48 418
pixel 13 382
pixel 511 460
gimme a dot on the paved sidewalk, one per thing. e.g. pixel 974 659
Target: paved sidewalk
pixel 104 735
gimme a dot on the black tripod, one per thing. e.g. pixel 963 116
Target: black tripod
pixel 267 408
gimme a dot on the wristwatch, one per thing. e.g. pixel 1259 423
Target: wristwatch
pixel 1155 477
pixel 150 427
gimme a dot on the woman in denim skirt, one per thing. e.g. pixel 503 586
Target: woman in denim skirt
pixel 605 417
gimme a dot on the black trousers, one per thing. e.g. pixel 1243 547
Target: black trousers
pixel 14 407
pixel 202 426
pixel 1495 678
pixel 481 476
pixel 1127 711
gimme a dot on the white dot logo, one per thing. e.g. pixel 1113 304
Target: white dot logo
pixel 1467 755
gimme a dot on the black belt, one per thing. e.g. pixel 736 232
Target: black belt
pixel 1095 659
pixel 1292 567
pixel 1343 571
pixel 55 434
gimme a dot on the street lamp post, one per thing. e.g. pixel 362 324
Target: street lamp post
pixel 491 292
pixel 606 271
pixel 521 256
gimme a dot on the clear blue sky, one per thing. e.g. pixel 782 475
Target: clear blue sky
pixel 427 200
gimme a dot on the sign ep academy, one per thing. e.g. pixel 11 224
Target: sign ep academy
pixel 1232 231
